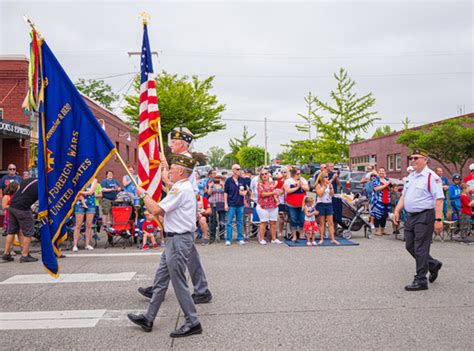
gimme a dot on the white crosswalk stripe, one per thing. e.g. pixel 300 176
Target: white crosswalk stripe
pixel 50 319
pixel 68 278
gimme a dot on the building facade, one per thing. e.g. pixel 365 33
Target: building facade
pixel 15 128
pixel 385 152
pixel 18 132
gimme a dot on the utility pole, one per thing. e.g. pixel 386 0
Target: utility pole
pixel 309 116
pixel 266 141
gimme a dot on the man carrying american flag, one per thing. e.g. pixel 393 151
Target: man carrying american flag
pixel 180 143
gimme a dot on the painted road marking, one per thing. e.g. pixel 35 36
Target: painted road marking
pixel 69 278
pixel 50 319
pixel 124 254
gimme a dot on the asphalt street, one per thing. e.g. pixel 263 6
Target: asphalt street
pixel 265 297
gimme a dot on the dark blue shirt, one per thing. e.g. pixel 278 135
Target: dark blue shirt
pixel 444 182
pixel 231 188
pixel 109 183
pixel 334 183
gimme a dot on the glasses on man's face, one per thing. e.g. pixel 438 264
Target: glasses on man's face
pixel 236 169
pixel 414 158
pixel 12 169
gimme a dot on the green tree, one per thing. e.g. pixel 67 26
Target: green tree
pixel 406 123
pixel 349 115
pixel 382 131
pixel 228 160
pixel 97 90
pixel 216 156
pixel 448 142
pixel 251 156
pixel 237 144
pixel 183 101
pixel 306 150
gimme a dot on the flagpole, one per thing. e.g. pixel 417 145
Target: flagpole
pixel 126 168
pixel 32 25
pixel 145 17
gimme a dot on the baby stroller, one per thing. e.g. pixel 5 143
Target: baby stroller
pixel 122 227
pixel 354 217
pixel 71 223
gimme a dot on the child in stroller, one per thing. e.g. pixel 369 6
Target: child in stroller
pixel 354 217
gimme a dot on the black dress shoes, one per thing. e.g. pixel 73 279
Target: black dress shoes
pixel 141 321
pixel 416 286
pixel 434 273
pixel 204 298
pixel 186 331
pixel 147 292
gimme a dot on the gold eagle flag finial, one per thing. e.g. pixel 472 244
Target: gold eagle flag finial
pixel 145 17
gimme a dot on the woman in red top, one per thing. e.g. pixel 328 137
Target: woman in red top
pixel 267 206
pixel 380 206
pixel 295 188
pixel 466 213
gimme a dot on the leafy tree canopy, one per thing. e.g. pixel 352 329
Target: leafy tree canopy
pixel 97 90
pixel 380 131
pixel 216 156
pixel 251 156
pixel 448 142
pixel 183 101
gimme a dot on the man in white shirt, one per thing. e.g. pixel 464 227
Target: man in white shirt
pixel 179 211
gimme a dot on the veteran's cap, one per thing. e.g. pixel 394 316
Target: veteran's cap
pixel 419 152
pixel 182 133
pixel 183 161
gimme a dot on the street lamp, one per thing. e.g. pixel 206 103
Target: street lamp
pixel 129 138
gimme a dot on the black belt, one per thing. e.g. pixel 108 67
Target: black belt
pixel 171 234
pixel 417 213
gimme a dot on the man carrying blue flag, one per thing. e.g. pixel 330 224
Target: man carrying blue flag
pixel 72 149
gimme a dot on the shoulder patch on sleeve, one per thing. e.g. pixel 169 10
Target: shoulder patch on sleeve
pixel 437 180
pixel 174 191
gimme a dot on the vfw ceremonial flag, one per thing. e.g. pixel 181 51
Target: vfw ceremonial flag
pixel 72 149
pixel 149 173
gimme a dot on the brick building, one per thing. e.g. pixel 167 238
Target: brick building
pixel 17 134
pixel 15 131
pixel 385 152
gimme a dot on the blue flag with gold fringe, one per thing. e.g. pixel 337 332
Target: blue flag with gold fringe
pixel 72 149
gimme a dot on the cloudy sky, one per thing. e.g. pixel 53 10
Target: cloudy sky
pixel 416 57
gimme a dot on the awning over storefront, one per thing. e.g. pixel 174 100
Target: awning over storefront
pixel 14 130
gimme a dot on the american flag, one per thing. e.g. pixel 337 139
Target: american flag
pixel 149 173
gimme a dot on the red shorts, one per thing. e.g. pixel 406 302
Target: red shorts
pixel 310 227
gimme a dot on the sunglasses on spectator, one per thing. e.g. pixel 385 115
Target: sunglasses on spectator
pixel 236 169
pixel 12 169
pixel 264 174
pixel 414 158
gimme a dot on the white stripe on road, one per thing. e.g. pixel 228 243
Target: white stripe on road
pixel 69 278
pixel 124 254
pixel 50 319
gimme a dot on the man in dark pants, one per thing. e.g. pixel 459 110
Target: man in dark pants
pixel 422 198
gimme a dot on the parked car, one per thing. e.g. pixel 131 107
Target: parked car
pixel 350 182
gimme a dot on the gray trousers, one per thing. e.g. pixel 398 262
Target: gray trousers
pixel 172 267
pixel 196 272
pixel 418 233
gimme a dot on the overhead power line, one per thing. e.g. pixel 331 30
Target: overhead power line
pixel 302 122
